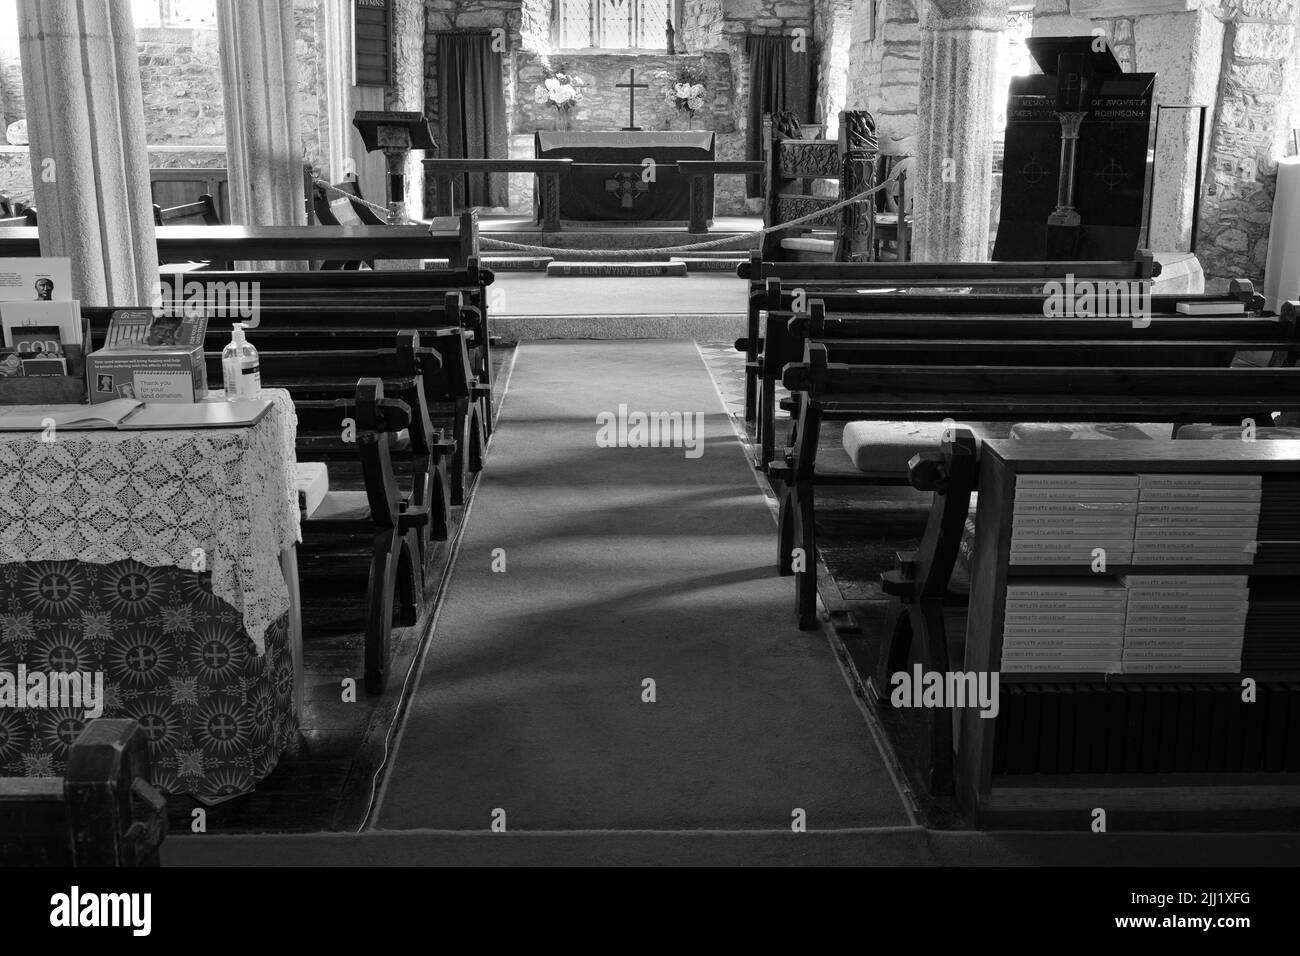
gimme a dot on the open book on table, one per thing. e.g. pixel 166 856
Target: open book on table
pixel 128 414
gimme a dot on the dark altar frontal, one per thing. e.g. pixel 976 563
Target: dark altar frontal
pixel 609 186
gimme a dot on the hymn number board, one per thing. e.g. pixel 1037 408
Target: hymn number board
pixel 372 42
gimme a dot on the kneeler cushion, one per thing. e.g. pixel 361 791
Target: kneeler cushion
pixel 1233 433
pixel 884 448
pixel 1116 431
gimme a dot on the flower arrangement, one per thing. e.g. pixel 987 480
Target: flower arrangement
pixel 559 88
pixel 685 89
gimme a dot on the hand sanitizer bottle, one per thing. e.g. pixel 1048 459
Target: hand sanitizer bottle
pixel 239 367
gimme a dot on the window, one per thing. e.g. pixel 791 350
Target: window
pixel 1013 60
pixel 613 24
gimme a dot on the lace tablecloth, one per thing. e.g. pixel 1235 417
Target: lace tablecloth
pixel 219 500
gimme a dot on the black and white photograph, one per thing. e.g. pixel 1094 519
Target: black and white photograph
pixel 651 434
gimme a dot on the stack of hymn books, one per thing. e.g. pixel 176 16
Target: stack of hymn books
pixel 1185 623
pixel 1074 627
pixel 1197 519
pixel 1063 519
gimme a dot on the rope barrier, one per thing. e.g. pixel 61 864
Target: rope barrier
pixel 488 242
pixel 381 210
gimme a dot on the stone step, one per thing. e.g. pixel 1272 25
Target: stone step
pixel 517 263
pixel 698 264
pixel 616 269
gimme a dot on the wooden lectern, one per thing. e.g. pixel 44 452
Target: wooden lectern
pixel 396 133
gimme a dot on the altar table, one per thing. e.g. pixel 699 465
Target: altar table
pixel 157 559
pixel 617 192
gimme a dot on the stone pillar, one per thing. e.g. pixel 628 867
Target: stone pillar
pixel 259 73
pixel 85 123
pixel 336 48
pixel 407 91
pixel 955 121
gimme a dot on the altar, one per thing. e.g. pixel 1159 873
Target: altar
pixel 607 183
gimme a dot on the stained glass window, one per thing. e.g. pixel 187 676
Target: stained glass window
pixel 612 24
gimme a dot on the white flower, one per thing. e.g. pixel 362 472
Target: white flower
pixel 682 91
pixel 694 103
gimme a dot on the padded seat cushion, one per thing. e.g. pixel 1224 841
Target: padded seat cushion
pixel 885 448
pixel 1233 433
pixel 1119 431
pixel 804 244
pixel 342 506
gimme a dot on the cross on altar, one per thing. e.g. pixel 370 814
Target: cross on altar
pixel 631 86
pixel 626 186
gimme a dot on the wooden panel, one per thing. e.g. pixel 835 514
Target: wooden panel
pixel 808 159
pixel 372 42
pixel 795 207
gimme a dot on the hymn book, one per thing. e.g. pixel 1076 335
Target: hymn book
pixel 128 414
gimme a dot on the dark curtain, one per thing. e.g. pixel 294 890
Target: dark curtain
pixel 779 79
pixel 472 108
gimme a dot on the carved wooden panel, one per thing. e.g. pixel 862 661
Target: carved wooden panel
pixel 792 207
pixel 808 159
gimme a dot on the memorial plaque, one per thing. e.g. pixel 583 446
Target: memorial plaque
pixel 1110 174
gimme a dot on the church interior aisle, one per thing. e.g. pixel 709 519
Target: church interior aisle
pixel 591 579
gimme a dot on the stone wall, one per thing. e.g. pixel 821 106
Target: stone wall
pixel 884 70
pixel 1250 130
pixel 180 74
pixel 700 27
pixel 832 25
pixel 11 70
pixel 313 112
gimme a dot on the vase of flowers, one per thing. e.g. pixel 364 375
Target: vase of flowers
pixel 685 91
pixel 560 89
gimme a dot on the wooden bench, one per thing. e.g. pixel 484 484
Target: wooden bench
pixel 921 589
pixel 775 286
pixel 202 212
pixel 986 372
pixel 102 812
pixel 332 209
pixel 893 210
pixel 19 215
pixel 453 397
pixel 793 165
pixel 398 290
pixel 399 523
pixel 896 319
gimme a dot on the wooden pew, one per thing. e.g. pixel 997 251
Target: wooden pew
pixel 102 812
pixel 331 209
pixel 920 590
pixel 21 216
pixel 894 320
pixel 980 371
pixel 399 523
pixel 893 215
pixel 202 212
pixel 453 397
pixel 774 286
pixel 404 289
pixel 792 165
